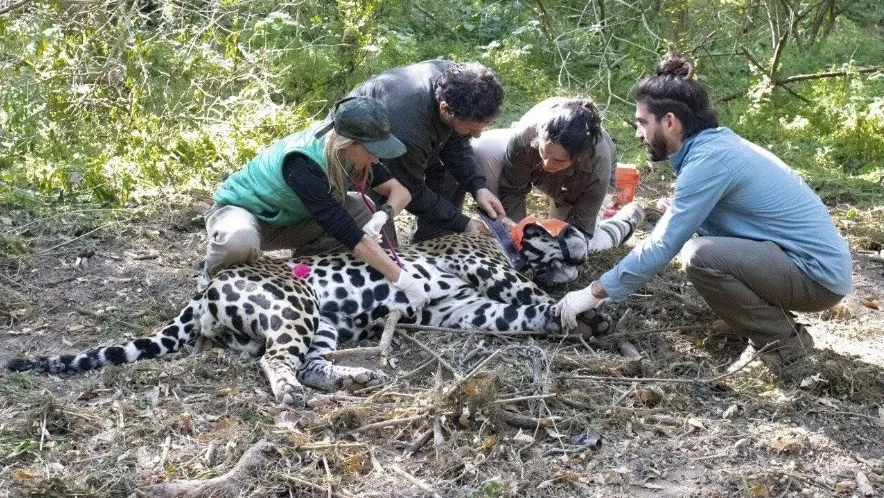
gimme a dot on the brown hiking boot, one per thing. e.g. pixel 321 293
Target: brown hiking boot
pixel 780 353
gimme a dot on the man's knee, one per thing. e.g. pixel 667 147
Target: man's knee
pixel 694 255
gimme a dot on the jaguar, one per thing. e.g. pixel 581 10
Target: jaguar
pixel 291 322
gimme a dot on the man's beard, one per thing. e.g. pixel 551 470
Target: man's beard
pixel 656 148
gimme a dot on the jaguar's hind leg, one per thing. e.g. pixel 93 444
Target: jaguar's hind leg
pixel 319 373
pixel 287 336
pixel 279 365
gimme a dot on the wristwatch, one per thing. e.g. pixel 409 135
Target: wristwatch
pixel 386 208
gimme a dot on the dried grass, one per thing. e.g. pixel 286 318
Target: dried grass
pixel 518 426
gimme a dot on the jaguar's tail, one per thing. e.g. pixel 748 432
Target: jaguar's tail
pixel 168 339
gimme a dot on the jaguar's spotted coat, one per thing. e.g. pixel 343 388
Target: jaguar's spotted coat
pixel 292 323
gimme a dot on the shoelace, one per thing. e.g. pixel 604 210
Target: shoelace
pixel 360 186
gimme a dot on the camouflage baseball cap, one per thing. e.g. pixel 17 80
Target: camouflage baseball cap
pixel 364 119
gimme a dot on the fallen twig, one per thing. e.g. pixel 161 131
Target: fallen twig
pixel 451 391
pixel 524 398
pixel 547 335
pixel 414 480
pixel 629 392
pixel 229 485
pixel 634 333
pixel 416 370
pixel 328 476
pixel 14 6
pixel 382 349
pixel 513 333
pixel 327 399
pixel 290 479
pixel 90 232
pixel 523 421
pixel 665 420
pixel 387 336
pixel 863 485
pixel 433 354
pixel 850 414
pixel 672 380
pixel 391 422
pixel 419 443
pixel 328 446
pixel 438 437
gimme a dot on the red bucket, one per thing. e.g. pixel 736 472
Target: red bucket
pixel 627 180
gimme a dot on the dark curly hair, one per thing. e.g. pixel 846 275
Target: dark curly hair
pixel 674 89
pixel 471 91
pixel 574 124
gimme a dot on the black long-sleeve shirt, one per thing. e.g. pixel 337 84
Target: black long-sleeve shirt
pixel 312 186
pixel 408 93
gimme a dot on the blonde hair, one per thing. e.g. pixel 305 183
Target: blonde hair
pixel 335 149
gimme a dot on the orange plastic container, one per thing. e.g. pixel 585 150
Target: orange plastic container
pixel 627 180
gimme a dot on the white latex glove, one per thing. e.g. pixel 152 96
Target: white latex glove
pixel 575 303
pixel 375 225
pixel 414 290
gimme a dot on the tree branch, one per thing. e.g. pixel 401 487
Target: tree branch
pixel 829 74
pixel 230 485
pixel 545 24
pixel 778 54
pixel 14 6
pixel 753 60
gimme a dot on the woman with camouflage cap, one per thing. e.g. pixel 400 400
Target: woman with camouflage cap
pixel 293 195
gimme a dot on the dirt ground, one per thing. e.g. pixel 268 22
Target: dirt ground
pixel 551 417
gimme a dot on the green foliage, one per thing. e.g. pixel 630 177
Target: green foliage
pixel 488 489
pixel 13 246
pixel 105 103
pixel 18 384
pixel 836 138
pixel 13 448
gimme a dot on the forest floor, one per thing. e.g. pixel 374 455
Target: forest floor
pixel 75 278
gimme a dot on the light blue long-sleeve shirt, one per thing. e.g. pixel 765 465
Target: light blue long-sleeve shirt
pixel 729 187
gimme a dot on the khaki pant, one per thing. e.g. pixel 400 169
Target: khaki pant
pixel 752 285
pixel 237 236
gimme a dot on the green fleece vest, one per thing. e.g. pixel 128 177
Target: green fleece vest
pixel 260 187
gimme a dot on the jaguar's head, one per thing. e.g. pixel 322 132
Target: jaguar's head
pixel 554 253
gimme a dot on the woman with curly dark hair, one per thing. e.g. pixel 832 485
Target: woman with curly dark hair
pixel 560 148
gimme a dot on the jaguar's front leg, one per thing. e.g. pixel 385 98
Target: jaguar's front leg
pixel 589 323
pixel 593 322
